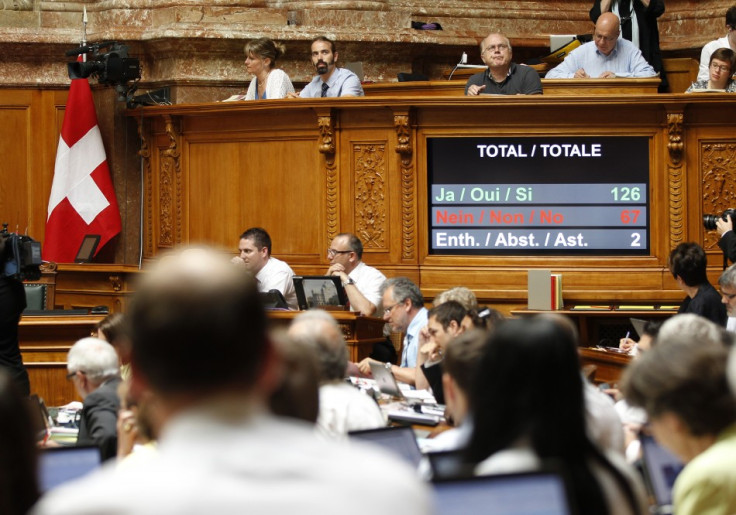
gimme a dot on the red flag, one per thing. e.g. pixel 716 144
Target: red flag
pixel 82 197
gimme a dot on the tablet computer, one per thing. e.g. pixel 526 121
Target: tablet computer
pixel 320 291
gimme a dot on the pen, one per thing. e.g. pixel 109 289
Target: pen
pixel 628 333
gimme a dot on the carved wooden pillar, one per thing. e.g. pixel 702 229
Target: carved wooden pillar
pixel 676 148
pixel 405 148
pixel 169 188
pixel 718 167
pixel 327 147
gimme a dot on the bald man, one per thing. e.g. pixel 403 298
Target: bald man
pixel 502 76
pixel 606 57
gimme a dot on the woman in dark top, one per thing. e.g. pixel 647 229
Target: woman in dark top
pixel 12 304
pixel 688 265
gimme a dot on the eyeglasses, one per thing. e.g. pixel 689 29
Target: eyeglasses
pixel 719 67
pixel 333 252
pixel 492 48
pixel 389 309
pixel 72 374
pixel 729 296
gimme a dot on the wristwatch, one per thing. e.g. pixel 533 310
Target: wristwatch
pixel 349 281
pixel 388 366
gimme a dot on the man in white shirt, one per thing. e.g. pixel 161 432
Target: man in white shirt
pixel 727 41
pixel 342 407
pixel 362 283
pixel 201 348
pixel 404 312
pixel 330 81
pixel 271 273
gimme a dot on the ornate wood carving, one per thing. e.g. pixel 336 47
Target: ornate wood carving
pixel 676 148
pixel 718 165
pixel 326 124
pixel 116 282
pixel 371 204
pixel 169 188
pixel 402 124
pixel 144 131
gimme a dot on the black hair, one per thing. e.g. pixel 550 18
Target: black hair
pixel 688 261
pixel 448 311
pixel 259 236
pixel 531 388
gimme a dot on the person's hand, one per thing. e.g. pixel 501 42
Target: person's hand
pixel 474 90
pixel 607 75
pixel 614 393
pixel 127 432
pixel 626 344
pixel 237 260
pixel 723 226
pixel 581 74
pixel 293 94
pixel 339 270
pixel 364 367
pixel 431 351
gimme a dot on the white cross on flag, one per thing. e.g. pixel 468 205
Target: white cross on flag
pixel 82 197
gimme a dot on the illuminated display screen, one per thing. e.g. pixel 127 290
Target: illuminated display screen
pixel 540 195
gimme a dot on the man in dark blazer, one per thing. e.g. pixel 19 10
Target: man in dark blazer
pixel 94 367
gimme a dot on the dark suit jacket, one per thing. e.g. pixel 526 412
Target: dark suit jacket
pixel 98 425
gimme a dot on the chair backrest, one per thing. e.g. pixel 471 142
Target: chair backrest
pixel 35 296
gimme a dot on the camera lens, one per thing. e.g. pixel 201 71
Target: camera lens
pixel 709 222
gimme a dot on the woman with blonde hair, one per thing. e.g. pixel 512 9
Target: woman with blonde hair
pixel 260 61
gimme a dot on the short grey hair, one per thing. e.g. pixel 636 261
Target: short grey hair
pixel 691 327
pixel 460 294
pixel 403 288
pixel 96 358
pixel 728 277
pixel 318 330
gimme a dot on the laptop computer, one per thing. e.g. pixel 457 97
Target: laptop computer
pixel 449 464
pixel 399 440
pixel 528 493
pixel 320 291
pixel 58 465
pixel 661 468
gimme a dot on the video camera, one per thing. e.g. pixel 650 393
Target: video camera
pixel 709 221
pixel 112 68
pixel 21 258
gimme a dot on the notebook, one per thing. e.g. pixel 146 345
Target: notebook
pixel 399 440
pixel 320 291
pixel 529 493
pixel 58 465
pixel 661 468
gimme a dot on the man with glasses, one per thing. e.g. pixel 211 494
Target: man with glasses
pixel 727 283
pixel 404 312
pixel 606 57
pixel 362 283
pixel 93 367
pixel 502 76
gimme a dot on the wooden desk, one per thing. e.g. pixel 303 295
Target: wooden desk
pixel 609 365
pixel 602 327
pixel 44 344
pixel 46 340
pixel 360 332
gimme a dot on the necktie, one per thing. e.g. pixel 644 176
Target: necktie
pixel 325 87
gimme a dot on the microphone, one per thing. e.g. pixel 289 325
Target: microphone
pixel 463 60
pixel 79 50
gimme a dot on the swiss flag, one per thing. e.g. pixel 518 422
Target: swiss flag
pixel 82 197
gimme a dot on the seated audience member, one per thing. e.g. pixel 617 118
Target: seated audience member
pixel 606 57
pixel 688 264
pixel 444 322
pixel 404 312
pixel 638 19
pixel 483 318
pixel 112 330
pixel 93 366
pixel 529 409
pixel 682 386
pixel 460 294
pixel 362 283
pixel 297 395
pixel 698 329
pixel 727 41
pixel 458 371
pixel 646 340
pixel 502 76
pixel 260 61
pixel 727 283
pixel 330 81
pixel 342 407
pixel 220 451
pixel 18 476
pixel 270 273
pixel 721 69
